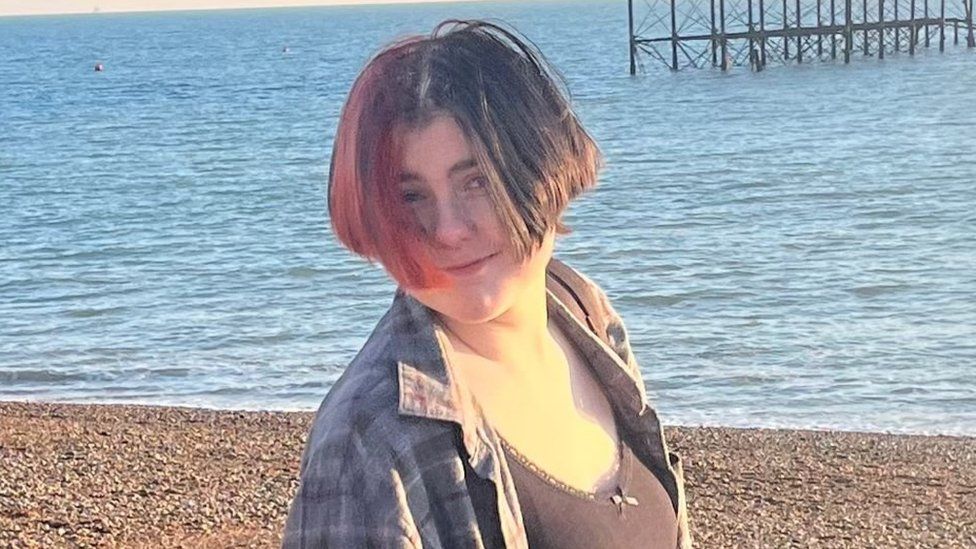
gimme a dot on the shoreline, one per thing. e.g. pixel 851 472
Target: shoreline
pixel 149 476
pixel 868 430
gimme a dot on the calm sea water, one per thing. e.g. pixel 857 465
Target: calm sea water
pixel 792 248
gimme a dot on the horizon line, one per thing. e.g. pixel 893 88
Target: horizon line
pixel 238 5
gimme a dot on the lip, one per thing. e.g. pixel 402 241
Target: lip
pixel 468 269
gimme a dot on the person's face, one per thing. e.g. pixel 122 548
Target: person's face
pixel 446 190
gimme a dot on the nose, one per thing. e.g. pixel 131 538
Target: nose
pixel 452 223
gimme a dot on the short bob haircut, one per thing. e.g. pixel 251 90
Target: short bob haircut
pixel 512 108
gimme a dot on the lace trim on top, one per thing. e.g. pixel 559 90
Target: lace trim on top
pixel 623 475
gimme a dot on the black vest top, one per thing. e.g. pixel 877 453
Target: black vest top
pixel 638 513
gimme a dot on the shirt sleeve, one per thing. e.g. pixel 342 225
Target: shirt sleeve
pixel 349 496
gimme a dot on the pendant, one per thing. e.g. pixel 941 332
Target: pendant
pixel 621 500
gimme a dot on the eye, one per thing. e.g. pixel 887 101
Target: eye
pixel 477 184
pixel 411 196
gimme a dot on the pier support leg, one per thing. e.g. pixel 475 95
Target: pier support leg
pixel 725 46
pixel 864 19
pixel 799 37
pixel 881 29
pixel 833 35
pixel 897 29
pixel 820 31
pixel 971 38
pixel 926 15
pixel 630 25
pixel 762 33
pixel 941 25
pixel 912 32
pixel 753 53
pixel 786 39
pixel 674 37
pixel 848 31
pixel 714 38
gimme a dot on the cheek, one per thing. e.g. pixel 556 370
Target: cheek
pixel 493 233
pixel 424 215
pixel 475 210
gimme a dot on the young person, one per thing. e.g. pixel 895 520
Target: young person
pixel 497 403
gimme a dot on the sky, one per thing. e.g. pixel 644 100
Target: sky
pixel 45 7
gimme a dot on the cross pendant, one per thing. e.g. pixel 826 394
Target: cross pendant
pixel 621 500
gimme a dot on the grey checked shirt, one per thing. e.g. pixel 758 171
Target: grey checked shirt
pixel 384 464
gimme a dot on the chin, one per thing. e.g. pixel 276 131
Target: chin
pixel 474 313
pixel 487 295
pixel 466 307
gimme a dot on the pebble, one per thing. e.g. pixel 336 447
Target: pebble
pixel 145 476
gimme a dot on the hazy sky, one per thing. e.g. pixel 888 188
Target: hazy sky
pixel 33 7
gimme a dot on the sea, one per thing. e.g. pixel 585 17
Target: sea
pixel 794 248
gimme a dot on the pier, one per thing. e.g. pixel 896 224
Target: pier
pixel 681 34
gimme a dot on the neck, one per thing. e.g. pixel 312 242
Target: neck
pixel 518 341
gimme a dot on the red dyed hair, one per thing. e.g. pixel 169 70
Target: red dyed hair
pixel 367 214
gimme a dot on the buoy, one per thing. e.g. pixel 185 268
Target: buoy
pixel 99 67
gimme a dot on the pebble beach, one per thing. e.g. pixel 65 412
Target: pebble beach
pixel 144 476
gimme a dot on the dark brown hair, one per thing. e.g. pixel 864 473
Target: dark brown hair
pixel 511 106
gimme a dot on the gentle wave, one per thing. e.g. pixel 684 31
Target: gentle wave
pixel 789 249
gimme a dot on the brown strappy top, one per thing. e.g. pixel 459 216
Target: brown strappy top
pixel 638 513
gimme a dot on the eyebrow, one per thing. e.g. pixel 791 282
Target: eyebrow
pixel 458 167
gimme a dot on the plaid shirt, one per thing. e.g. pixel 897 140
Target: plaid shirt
pixel 384 464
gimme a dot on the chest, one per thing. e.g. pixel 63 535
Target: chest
pixel 564 426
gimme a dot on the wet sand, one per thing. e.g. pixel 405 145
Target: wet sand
pixel 143 476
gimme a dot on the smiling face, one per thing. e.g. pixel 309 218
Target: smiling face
pixel 446 191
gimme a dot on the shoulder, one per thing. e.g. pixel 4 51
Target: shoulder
pixel 594 298
pixel 349 438
pixel 582 285
pixel 358 428
pixel 350 493
pixel 362 400
pixel 358 424
pixel 608 324
pixel 613 322
pixel 369 473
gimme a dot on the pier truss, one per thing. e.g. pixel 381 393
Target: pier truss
pixel 679 34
